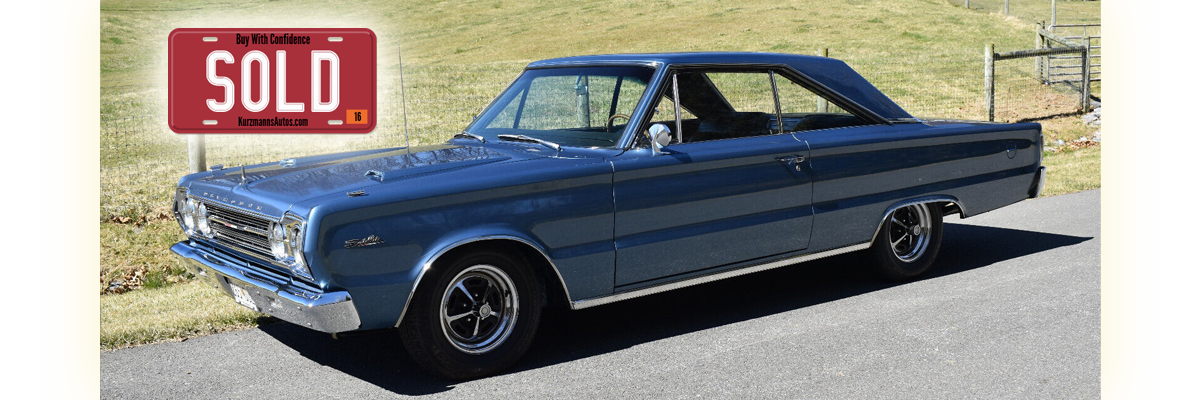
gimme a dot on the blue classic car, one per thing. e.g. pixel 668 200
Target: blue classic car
pixel 591 180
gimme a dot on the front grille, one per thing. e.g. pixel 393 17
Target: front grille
pixel 240 230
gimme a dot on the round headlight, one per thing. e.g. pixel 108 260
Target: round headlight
pixel 294 241
pixel 180 205
pixel 189 215
pixel 277 238
pixel 202 221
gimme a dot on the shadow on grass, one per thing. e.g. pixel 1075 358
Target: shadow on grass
pixel 567 336
pixel 1075 113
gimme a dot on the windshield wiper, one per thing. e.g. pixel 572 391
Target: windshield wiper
pixel 523 138
pixel 465 134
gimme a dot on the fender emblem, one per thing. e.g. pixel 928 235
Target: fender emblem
pixel 369 241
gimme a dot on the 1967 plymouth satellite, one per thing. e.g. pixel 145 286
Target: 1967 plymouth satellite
pixel 591 180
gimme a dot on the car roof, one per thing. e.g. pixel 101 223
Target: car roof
pixel 832 73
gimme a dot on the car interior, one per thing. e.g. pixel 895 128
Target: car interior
pixel 707 114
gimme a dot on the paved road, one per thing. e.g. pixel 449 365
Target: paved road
pixel 1012 310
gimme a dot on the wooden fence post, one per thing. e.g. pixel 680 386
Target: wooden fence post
pixel 1006 7
pixel 1037 44
pixel 822 104
pixel 1053 12
pixel 583 102
pixel 968 5
pixel 1085 80
pixel 1046 64
pixel 989 80
pixel 196 162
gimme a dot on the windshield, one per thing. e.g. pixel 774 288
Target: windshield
pixel 584 107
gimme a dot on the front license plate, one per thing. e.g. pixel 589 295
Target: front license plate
pixel 269 80
pixel 241 296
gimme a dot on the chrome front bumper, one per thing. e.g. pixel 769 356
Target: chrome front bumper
pixel 326 312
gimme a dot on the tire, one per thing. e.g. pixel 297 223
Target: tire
pixel 908 242
pixel 444 332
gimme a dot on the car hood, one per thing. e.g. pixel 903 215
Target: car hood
pixel 273 187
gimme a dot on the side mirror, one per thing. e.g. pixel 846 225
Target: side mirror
pixel 660 137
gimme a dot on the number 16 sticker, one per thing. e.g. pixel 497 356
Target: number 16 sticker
pixel 356 116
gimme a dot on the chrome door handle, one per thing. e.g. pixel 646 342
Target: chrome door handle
pixel 796 161
pixel 791 159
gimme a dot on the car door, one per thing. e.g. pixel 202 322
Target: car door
pixel 730 187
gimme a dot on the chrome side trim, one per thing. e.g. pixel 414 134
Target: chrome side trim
pixel 576 305
pixel 429 264
pixel 929 199
pixel 568 64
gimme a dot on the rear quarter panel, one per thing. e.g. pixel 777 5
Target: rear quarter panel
pixel 859 172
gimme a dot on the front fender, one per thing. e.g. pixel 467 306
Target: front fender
pixel 467 236
pixel 565 212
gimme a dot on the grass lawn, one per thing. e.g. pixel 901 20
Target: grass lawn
pixel 169 313
pixel 1072 171
pixel 925 54
pixel 1069 11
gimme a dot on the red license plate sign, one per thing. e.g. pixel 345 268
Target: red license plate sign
pixel 271 81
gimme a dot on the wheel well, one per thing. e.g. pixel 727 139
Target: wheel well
pixel 946 206
pixel 950 208
pixel 554 287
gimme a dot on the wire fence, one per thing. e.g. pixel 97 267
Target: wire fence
pixel 1065 68
pixel 141 159
pixel 950 85
pixel 1076 11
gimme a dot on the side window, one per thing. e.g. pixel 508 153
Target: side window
pixel 664 113
pixel 745 92
pixel 804 110
pixel 719 105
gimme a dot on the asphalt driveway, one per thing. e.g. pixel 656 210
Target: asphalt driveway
pixel 1012 310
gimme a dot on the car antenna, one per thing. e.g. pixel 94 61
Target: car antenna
pixel 403 98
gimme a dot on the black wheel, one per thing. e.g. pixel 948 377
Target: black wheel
pixel 908 241
pixel 477 315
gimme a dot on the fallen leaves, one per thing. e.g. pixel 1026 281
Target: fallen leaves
pixel 156 215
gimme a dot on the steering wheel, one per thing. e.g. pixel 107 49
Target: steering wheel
pixel 610 120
